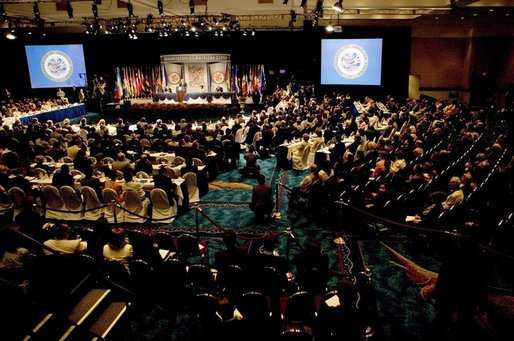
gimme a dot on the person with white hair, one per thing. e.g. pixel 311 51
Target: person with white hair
pixel 456 197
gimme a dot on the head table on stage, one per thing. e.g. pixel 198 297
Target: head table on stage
pixel 196 98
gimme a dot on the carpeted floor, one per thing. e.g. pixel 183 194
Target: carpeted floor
pixel 400 312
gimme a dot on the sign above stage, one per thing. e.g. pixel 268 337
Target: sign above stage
pixel 195 58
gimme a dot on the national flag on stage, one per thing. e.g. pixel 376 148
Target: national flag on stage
pixel 227 76
pixel 244 81
pixel 117 86
pixel 125 84
pixel 255 78
pixel 235 80
pixel 262 79
pixel 159 80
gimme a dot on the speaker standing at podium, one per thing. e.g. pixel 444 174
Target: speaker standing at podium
pixel 181 90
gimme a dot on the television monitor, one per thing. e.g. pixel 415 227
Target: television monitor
pixel 56 66
pixel 351 61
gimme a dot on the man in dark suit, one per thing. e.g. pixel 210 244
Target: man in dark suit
pixel 164 182
pixel 262 202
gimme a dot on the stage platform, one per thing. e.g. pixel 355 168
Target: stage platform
pixel 197 98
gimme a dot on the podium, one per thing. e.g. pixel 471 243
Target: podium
pixel 181 90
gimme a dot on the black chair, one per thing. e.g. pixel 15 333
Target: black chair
pixel 254 306
pixel 206 308
pixel 294 333
pixel 143 277
pixel 201 277
pixel 188 246
pixel 231 279
pixel 339 316
pixel 115 271
pixel 300 309
pixel 165 241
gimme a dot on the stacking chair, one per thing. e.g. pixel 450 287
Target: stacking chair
pixel 110 196
pixel 5 201
pixel 300 309
pixel 142 175
pixel 134 204
pixel 192 187
pixel 53 201
pixel 188 246
pixel 302 163
pixel 91 201
pixel 17 197
pixel 161 207
pixel 72 202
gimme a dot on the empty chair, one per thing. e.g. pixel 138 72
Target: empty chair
pixel 165 241
pixel 300 309
pixel 5 201
pixel 17 197
pixel 111 212
pixel 179 160
pixel 107 160
pixel 197 162
pixel 48 158
pixel 135 209
pixel 40 173
pixel 192 187
pixel 92 204
pixel 145 144
pixel 162 160
pixel 254 306
pixel 72 202
pixel 188 246
pixel 142 175
pixel 54 205
pixel 231 278
pixel 143 277
pixel 162 211
pixel 201 276
pixel 66 159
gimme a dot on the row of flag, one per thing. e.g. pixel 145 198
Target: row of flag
pixel 246 79
pixel 141 81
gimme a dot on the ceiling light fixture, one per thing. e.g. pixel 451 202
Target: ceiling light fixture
pixel 69 9
pixel 160 7
pixel 36 11
pixel 338 6
pixel 192 6
pixel 94 8
pixel 130 9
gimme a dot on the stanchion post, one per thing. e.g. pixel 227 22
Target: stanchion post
pixel 197 222
pixel 288 242
pixel 276 196
pixel 114 213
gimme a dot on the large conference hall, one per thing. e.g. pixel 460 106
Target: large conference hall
pixel 257 170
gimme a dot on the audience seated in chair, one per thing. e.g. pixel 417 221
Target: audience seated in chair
pixel 262 201
pixel 61 243
pixel 251 167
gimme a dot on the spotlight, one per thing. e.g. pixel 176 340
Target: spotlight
pixel 303 3
pixel 192 6
pixel 94 8
pixel 69 9
pixel 338 6
pixel 11 36
pixel 329 28
pixel 36 11
pixel 3 14
pixel 130 10
pixel 293 15
pixel 160 7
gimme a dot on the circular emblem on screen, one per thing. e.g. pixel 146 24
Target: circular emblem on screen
pixel 218 77
pixel 174 78
pixel 57 66
pixel 351 61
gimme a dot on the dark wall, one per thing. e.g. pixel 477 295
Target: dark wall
pixel 296 52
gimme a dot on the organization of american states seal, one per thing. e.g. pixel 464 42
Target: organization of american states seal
pixel 351 61
pixel 57 66
pixel 174 78
pixel 218 77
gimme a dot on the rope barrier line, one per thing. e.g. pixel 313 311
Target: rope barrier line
pixel 219 227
